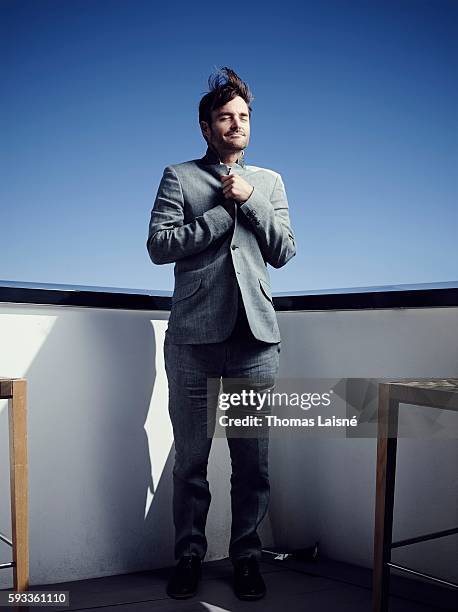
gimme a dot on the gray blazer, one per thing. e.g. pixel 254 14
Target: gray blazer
pixel 213 252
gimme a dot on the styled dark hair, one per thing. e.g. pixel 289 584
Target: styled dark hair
pixel 224 85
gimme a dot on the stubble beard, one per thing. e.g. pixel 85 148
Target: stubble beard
pixel 235 144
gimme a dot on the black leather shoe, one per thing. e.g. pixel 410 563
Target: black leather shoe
pixel 185 578
pixel 248 582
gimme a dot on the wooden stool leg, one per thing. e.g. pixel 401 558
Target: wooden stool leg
pixel 388 411
pixel 17 413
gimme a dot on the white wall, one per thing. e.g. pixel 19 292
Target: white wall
pixel 101 448
pixel 330 490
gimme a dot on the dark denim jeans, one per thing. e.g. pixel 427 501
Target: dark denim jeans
pixel 188 366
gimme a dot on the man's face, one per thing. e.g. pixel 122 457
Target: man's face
pixel 230 127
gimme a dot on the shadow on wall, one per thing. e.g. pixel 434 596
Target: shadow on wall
pixel 99 439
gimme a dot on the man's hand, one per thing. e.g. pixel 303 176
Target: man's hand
pixel 236 188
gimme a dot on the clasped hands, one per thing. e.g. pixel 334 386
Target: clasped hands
pixel 236 188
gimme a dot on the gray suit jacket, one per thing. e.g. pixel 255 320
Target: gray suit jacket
pixel 213 252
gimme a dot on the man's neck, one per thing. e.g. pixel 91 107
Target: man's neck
pixel 228 157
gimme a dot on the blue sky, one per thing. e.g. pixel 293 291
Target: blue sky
pixel 356 106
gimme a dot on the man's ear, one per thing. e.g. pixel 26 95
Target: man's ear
pixel 205 129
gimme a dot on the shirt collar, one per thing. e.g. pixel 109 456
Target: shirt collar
pixel 212 157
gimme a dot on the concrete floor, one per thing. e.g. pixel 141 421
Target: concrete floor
pixel 293 586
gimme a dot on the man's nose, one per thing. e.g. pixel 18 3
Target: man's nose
pixel 236 122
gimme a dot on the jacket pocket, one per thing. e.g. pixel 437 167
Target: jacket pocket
pixel 184 291
pixel 265 288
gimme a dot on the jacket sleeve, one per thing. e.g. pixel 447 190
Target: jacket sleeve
pixel 271 224
pixel 169 239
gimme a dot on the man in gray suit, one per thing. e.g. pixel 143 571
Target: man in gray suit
pixel 221 221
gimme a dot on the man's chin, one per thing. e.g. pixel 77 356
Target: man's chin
pixel 237 144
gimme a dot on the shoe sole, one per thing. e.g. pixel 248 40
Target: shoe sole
pixel 249 597
pixel 186 596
